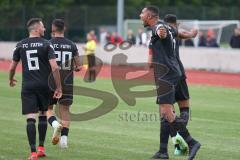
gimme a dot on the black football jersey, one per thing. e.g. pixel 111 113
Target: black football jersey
pixel 65 51
pixel 164 50
pixel 34 53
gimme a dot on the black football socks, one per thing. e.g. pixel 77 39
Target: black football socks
pixel 31 133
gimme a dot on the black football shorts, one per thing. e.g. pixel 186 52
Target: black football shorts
pixel 34 101
pixel 182 92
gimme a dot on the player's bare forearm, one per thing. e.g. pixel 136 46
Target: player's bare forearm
pixel 12 69
pixel 187 35
pixel 57 79
pixel 12 72
pixel 56 73
pixel 58 92
pixel 77 63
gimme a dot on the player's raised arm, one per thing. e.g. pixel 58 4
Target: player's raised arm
pixel 186 35
pixel 171 19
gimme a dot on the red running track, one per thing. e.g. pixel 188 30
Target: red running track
pixel 228 80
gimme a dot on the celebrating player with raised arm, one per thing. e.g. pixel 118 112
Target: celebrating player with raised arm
pixel 181 96
pixel 163 52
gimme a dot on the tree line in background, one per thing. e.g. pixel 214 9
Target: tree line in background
pixel 83 15
pixel 162 3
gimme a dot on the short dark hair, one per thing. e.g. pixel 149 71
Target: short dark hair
pixel 59 24
pixel 33 21
pixel 170 18
pixel 154 10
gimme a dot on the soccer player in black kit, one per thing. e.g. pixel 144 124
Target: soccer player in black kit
pixel 181 96
pixel 38 61
pixel 163 52
pixel 68 60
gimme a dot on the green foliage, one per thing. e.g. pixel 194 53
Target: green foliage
pixel 82 15
pixel 160 3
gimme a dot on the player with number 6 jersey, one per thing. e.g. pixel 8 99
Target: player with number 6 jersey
pixel 38 61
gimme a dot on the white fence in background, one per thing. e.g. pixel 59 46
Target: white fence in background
pixel 217 59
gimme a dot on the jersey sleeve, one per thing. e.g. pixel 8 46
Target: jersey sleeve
pixel 16 53
pixel 50 51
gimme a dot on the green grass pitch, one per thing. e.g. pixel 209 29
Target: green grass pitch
pixel 116 136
